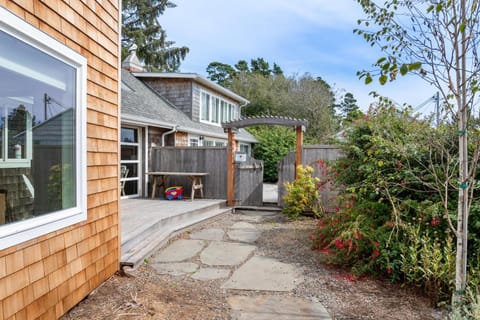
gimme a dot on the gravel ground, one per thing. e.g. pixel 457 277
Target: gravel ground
pixel 145 294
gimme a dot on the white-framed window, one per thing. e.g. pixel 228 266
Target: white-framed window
pixel 194 141
pixel 42 133
pixel 210 142
pixel 215 110
pixel 245 147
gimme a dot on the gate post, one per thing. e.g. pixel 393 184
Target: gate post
pixel 299 148
pixel 230 168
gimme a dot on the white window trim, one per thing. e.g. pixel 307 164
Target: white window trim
pixel 231 115
pixel 138 162
pixel 18 232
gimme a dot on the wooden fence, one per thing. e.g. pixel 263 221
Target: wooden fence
pixel 194 159
pixel 311 155
pixel 248 175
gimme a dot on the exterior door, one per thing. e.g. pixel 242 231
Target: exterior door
pixel 130 163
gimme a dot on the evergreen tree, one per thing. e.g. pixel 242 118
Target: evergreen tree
pixel 349 104
pixel 221 73
pixel 141 26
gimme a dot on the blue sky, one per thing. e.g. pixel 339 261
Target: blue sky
pixel 314 36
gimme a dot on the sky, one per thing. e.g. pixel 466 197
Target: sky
pixel 305 36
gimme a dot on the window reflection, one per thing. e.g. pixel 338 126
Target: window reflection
pixel 37 126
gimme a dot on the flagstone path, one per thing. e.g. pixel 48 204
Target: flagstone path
pixel 258 287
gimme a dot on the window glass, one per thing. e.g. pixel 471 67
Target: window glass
pixel 215 107
pixel 230 112
pixel 129 152
pixel 38 131
pixel 129 135
pixel 204 106
pixel 224 111
pixel 216 110
pixel 245 148
pixel 193 142
pixel 208 143
pixel 220 144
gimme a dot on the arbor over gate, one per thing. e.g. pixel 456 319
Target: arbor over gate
pixel 232 126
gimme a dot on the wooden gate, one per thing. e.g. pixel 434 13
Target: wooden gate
pixel 249 183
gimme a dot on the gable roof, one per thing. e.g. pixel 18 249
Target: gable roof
pixel 196 78
pixel 142 105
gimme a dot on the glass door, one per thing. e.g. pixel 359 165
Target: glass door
pixel 130 162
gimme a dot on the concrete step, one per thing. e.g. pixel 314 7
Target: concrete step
pixel 255 208
pixel 144 242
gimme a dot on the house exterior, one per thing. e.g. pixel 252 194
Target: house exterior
pixel 172 109
pixel 59 153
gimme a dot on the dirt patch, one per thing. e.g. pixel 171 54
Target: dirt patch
pixel 148 295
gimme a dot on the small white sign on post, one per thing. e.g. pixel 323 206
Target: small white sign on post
pixel 240 156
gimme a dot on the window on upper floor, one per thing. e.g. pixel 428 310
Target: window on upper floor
pixel 215 110
pixel 42 133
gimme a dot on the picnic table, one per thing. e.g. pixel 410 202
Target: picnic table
pixel 160 180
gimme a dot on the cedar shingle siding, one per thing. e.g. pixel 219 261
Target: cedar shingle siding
pixel 45 277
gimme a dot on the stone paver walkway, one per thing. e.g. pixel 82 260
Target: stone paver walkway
pixel 231 254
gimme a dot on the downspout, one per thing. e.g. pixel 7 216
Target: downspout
pixel 240 109
pixel 174 129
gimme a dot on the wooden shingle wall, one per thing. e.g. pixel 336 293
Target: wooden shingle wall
pixel 176 91
pixel 45 277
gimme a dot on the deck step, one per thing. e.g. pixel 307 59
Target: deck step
pixel 258 208
pixel 139 246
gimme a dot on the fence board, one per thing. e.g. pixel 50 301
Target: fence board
pixel 311 155
pixel 249 183
pixel 194 159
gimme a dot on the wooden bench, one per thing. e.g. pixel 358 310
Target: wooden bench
pixel 160 180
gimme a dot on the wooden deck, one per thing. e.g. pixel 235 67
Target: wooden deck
pixel 148 224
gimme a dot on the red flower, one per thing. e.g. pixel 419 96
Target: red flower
pixel 435 221
pixel 325 250
pixel 357 235
pixel 389 270
pixel 350 245
pixel 350 278
pixel 339 244
pixel 399 165
pixel 377 244
pixel 375 254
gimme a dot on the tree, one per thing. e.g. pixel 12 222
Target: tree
pixel 141 26
pixel 271 93
pixel 275 143
pixel 301 97
pixel 348 104
pixel 437 40
pixel 221 73
pixel 349 109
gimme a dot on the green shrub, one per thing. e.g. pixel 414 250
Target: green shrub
pixel 396 212
pixel 302 194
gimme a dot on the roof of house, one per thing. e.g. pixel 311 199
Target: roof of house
pixel 196 78
pixel 142 105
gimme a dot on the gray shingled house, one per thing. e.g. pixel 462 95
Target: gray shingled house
pixel 172 109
